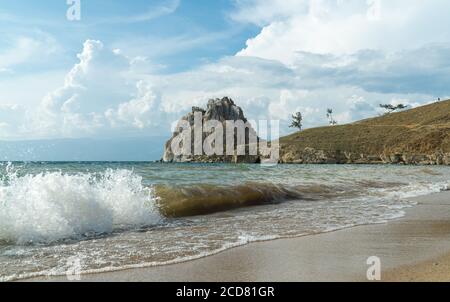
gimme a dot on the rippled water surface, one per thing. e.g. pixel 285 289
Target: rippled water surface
pixel 110 216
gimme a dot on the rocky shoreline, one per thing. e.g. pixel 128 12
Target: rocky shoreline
pixel 312 156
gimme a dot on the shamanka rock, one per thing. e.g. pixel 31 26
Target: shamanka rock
pixel 221 110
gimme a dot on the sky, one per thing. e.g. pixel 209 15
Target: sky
pixel 132 68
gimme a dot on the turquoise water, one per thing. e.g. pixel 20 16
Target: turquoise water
pixel 110 216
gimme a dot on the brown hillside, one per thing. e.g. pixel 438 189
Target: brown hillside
pixel 420 131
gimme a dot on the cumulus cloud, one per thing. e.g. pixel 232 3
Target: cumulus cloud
pixel 97 93
pixel 138 111
pixel 70 106
pixel 342 27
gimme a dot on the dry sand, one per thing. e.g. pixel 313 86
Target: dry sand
pixel 414 248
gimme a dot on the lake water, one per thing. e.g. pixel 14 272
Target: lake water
pixel 113 216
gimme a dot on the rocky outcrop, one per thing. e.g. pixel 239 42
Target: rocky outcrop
pixel 221 110
pixel 313 156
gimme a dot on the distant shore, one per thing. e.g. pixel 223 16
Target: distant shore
pixel 414 248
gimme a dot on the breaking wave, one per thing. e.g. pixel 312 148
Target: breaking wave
pixel 206 199
pixel 52 206
pixel 201 199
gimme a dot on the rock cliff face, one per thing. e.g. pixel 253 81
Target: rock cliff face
pixel 221 110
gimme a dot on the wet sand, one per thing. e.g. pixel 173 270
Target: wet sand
pixel 414 248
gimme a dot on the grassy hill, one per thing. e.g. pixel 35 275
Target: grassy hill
pixel 420 135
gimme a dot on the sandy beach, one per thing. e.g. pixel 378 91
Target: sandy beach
pixel 413 248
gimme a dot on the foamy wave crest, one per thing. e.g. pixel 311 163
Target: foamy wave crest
pixel 53 206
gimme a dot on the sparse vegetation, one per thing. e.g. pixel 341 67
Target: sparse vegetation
pixel 331 120
pixel 420 130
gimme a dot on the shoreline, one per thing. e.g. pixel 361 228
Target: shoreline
pixel 413 248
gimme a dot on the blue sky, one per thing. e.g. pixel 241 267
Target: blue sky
pixel 132 68
pixel 115 22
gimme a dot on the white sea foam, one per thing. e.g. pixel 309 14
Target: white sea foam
pixel 415 190
pixel 243 239
pixel 52 206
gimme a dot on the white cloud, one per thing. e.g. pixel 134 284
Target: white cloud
pixel 12 117
pixel 138 112
pixel 163 9
pixel 421 70
pixel 262 12
pixel 270 90
pixel 155 47
pixel 92 86
pixel 342 27
pixel 26 49
pixel 103 94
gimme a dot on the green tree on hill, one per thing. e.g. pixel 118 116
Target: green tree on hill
pixel 391 108
pixel 297 120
